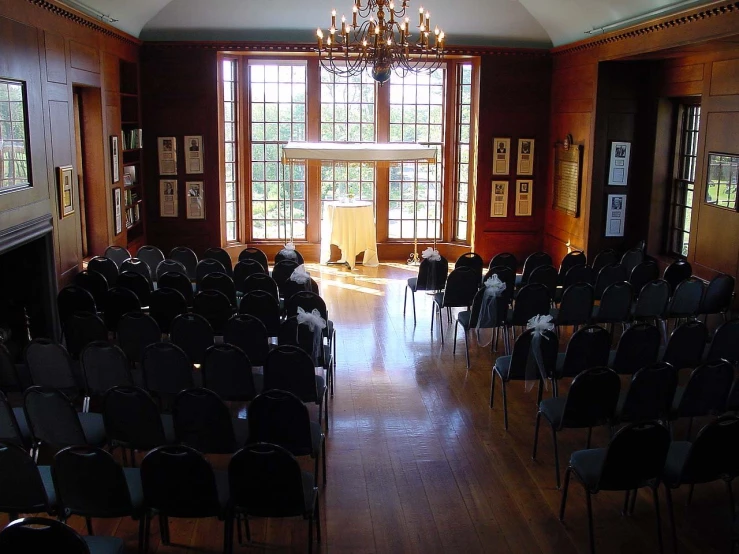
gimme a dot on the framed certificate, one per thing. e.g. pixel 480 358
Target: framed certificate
pixel 168 198
pixel 167 147
pixel 525 164
pixel 193 154
pixel 499 199
pixel 501 155
pixel 523 196
pixel 195 200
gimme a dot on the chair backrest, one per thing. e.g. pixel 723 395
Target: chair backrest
pixel 714 453
pixel 131 418
pixel 136 331
pixel 207 266
pixel 38 534
pixel 638 347
pixel 432 274
pixel 483 316
pixel 164 305
pixel 186 257
pixel 262 282
pixel 547 276
pixel 136 283
pixel 254 254
pixel 461 286
pixel 291 369
pixel 171 266
pixel 179 482
pixel 136 265
pixel 203 422
pixel 49 365
pixel 280 417
pixel 265 481
pixel 245 268
pixel 152 256
pixel 104 365
pixel 652 300
pixel 631 259
pixel 604 258
pixel 686 345
pixel 505 274
pixel 52 418
pixel 591 400
pixel 167 369
pixel 73 299
pixel 21 487
pixel 118 254
pixel 222 256
pixel 676 273
pixel 118 302
pixel 505 259
pixel 643 273
pixel 285 254
pixel 93 282
pixel 178 281
pixel 264 307
pixel 219 282
pixel 577 304
pixel 82 328
pixel 615 303
pixel 89 482
pixel 532 262
pixel 282 270
pixel 296 334
pixel 706 390
pixel 531 300
pixel 587 348
pixel 290 287
pixel 717 297
pixel 725 343
pixel 473 260
pixel 250 335
pixel 10 431
pixel 686 298
pixel 214 306
pixel 572 259
pixel 106 267
pixel 612 273
pixel 579 274
pixel 521 357
pixel 194 334
pixel 635 455
pixel 307 300
pixel 9 378
pixel 227 372
pixel 650 394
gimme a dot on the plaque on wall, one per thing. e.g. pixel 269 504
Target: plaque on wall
pixel 499 199
pixel 567 163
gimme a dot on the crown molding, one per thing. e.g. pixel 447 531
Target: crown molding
pixel 84 20
pixel 655 26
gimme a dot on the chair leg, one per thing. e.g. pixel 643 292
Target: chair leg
pixel 536 435
pixel 239 535
pixel 142 533
pixel 505 404
pixel 441 326
pixel 147 531
pixel 323 461
pixel 88 522
pixel 413 302
pixel 310 534
pixel 405 299
pixel 433 313
pixel 454 348
pixel 164 528
pixel 671 517
pixel 556 455
pixel 590 436
pixel 625 509
pixel 634 494
pixel 590 521
pixel 133 458
pixel 228 532
pixel 492 388
pixel 318 520
pixel 563 503
pixel 466 348
pixel 731 499
pixel 247 529
pixel 690 495
pixel 690 428
pixel 655 495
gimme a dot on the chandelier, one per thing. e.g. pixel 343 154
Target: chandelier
pixel 382 42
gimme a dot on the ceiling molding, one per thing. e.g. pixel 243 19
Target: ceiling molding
pixel 669 22
pixel 85 21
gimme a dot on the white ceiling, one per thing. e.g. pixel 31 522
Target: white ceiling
pixel 540 23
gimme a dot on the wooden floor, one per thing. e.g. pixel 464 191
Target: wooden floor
pixel 418 462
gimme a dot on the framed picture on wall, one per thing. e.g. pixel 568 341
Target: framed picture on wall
pixel 117 211
pixel 501 155
pixel 618 169
pixel 499 199
pixel 114 159
pixel 168 198
pixel 523 196
pixel 167 149
pixel 615 215
pixel 194 154
pixel 64 177
pixel 195 200
pixel 525 164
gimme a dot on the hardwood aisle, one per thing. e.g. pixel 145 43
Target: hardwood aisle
pixel 418 462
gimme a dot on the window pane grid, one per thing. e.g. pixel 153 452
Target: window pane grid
pixel 342 180
pixel 462 170
pixel 277 100
pixel 13 157
pixel 230 146
pixel 347 108
pixel 723 179
pixel 683 184
pixel 416 115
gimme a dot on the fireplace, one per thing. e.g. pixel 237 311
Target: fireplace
pixel 27 284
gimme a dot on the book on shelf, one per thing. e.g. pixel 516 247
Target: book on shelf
pixel 133 214
pixel 131 139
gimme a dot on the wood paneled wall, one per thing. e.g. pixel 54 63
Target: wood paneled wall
pixel 52 48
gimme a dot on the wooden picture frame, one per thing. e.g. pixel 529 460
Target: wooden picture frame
pixel 195 200
pixel 65 188
pixel 117 211
pixel 167 151
pixel 499 199
pixel 615 215
pixel 524 197
pixel 193 154
pixel 618 169
pixel 722 181
pixel 115 169
pixel 525 161
pixel 168 198
pixel 501 156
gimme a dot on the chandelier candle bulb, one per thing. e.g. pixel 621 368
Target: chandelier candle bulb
pixel 420 16
pixel 428 20
pixel 392 12
pixel 354 16
pixel 319 34
pixel 333 18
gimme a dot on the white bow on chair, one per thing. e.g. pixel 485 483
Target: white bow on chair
pixel 289 251
pixel 494 287
pixel 540 324
pixel 316 324
pixel 300 275
pixel 431 254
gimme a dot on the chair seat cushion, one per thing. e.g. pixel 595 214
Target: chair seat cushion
pixel 20 417
pixel 316 438
pixel 587 464
pixel 135 488
pixel 553 409
pixel 48 482
pixel 677 455
pixel 309 492
pixel 413 284
pixel 464 319
pixel 93 427
pixel 104 545
pixel 241 431
pixel 503 366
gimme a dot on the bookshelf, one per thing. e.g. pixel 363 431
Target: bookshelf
pixel 132 144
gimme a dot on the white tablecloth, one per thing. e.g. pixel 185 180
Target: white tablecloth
pixel 351 227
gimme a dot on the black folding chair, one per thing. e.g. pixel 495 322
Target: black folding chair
pixel 649 396
pixel 505 259
pixel 686 345
pixel 93 282
pixel 25 488
pixel 164 305
pixel 260 282
pixel 171 266
pixel 264 306
pixel 203 422
pixel 432 276
pixel 250 335
pixel 193 334
pixel 532 262
pixel 572 259
pixel 187 258
pixel 73 299
pixel 178 281
pixel 587 348
pixel 676 273
pixel 215 307
pixel 604 258
pixel 119 301
pixel 461 287
pixel 718 295
pixel 222 256
pixel 118 254
pixel 473 260
pixel 255 254
pixel 227 372
pixel 606 276
pixel 152 257
pixel 50 365
pixel 136 331
pixel 80 329
pixel 104 365
pixel 167 370
pixel 638 347
pixel 106 267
